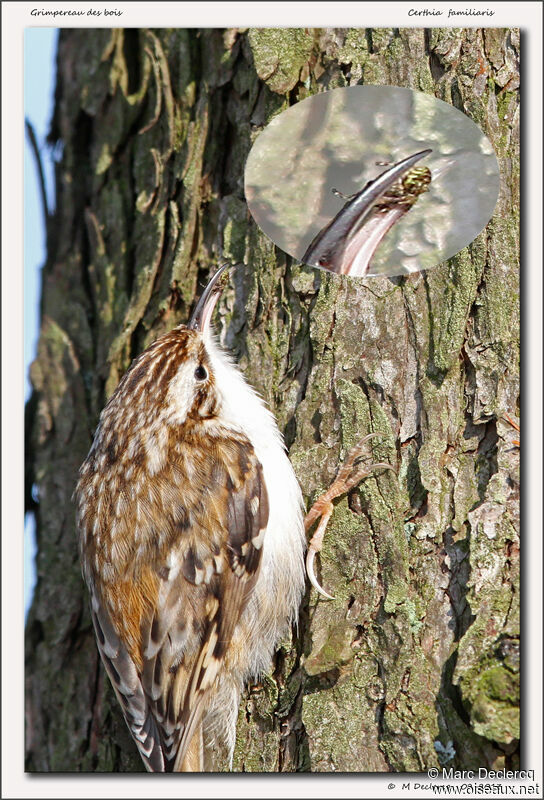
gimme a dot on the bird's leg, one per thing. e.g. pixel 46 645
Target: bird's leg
pixel 351 473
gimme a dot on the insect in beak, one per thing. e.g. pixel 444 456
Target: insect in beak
pixel 200 320
pixel 346 245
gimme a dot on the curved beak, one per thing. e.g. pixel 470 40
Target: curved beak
pixel 327 249
pixel 200 319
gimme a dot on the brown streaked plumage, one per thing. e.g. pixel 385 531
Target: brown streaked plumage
pixel 192 543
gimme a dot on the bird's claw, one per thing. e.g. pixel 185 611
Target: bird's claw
pixel 310 558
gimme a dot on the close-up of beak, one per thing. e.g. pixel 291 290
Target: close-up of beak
pixel 202 314
pixel 347 244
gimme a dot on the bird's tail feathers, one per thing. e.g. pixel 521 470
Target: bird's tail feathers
pixel 190 756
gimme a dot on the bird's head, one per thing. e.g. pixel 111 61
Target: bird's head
pixel 170 384
pixel 192 392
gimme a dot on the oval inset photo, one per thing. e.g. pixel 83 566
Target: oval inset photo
pixel 372 180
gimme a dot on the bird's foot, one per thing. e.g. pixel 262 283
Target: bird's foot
pixel 351 473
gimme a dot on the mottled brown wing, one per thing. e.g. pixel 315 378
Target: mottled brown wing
pixel 247 518
pixel 204 582
pixel 126 681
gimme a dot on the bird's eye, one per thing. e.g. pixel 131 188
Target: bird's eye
pixel 201 373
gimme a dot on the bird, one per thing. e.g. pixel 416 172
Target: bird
pixel 192 543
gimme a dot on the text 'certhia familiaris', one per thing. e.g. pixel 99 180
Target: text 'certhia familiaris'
pixel 192 543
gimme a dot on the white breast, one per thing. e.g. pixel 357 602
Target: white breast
pixel 282 573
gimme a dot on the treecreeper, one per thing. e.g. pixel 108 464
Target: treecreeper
pixel 192 543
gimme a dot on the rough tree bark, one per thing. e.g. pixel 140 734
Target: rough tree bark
pixel 415 662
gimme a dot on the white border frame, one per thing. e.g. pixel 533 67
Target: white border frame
pixel 15 17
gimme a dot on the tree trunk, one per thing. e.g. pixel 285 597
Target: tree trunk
pixel 415 662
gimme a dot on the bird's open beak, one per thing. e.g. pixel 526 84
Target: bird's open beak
pixel 202 314
pixel 331 247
